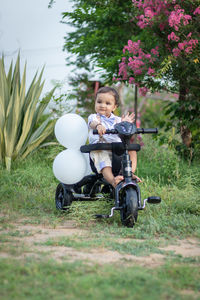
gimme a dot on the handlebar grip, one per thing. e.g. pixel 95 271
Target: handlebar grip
pixel 147 130
pixel 108 131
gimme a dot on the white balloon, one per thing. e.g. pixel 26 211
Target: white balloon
pixel 69 166
pixel 88 167
pixel 71 131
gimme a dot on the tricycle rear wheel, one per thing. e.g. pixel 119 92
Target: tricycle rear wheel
pixel 63 197
pixel 129 211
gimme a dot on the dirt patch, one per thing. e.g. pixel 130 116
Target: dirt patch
pixel 186 248
pixel 42 233
pixel 32 235
pixel 191 293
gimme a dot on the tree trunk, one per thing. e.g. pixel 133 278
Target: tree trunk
pixel 121 98
pixel 184 130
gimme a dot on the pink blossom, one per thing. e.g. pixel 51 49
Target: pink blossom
pixel 176 52
pixel 176 96
pixel 143 91
pixel 188 50
pixel 137 72
pixel 143 21
pixel 168 16
pixel 176 16
pixel 135 64
pixel 151 71
pixel 155 51
pixel 149 12
pixel 123 71
pixel 189 44
pixel 148 56
pixel 132 47
pixel 181 45
pixel 131 80
pixel 172 36
pixel 193 42
pixel 186 19
pixel 197 11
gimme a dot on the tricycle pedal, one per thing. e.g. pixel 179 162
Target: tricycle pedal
pixel 154 200
pixel 111 213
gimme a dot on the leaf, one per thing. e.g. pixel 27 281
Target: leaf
pixel 20 112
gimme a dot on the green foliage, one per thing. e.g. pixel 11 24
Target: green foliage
pixel 152 113
pixel 61 102
pixel 185 116
pixel 159 162
pixel 83 93
pixel 101 30
pixel 20 112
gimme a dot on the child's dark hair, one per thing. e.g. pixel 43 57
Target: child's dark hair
pixel 107 89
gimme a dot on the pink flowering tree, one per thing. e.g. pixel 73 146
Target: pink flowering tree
pixel 166 55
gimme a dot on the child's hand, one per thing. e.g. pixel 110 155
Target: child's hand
pixel 101 129
pixel 128 117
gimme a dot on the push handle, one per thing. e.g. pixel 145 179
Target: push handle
pixel 138 130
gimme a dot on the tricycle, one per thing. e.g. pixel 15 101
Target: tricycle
pixel 126 195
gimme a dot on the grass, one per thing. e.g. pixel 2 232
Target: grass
pixel 133 247
pixel 27 197
pixel 30 188
pixel 42 280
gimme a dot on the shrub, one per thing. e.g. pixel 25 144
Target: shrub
pixel 20 112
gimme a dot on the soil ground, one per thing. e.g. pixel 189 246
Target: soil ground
pixel 33 238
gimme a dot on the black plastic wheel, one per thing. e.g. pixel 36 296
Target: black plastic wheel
pixel 129 212
pixel 63 197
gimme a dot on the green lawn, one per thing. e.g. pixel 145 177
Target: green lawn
pixel 27 199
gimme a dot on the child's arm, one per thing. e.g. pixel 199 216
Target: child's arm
pixel 96 124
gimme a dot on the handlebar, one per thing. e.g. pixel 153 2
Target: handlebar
pixel 138 131
pixel 147 130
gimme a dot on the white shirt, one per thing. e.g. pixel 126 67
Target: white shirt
pixel 108 123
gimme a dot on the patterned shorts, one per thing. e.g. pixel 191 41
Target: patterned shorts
pixel 101 159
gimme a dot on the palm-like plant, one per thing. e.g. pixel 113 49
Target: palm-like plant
pixel 20 111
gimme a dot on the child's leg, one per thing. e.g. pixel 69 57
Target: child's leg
pixel 103 162
pixel 108 175
pixel 133 157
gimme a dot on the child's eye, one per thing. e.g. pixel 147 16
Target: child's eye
pixel 108 103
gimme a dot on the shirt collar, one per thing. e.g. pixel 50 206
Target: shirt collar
pixel 110 120
pixel 111 116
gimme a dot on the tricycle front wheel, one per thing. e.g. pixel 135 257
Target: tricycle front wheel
pixel 129 211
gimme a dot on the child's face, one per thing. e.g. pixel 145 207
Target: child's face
pixel 105 104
